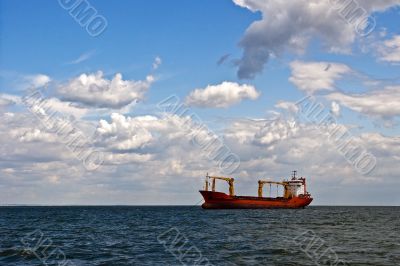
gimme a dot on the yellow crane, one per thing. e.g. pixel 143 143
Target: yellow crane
pixel 262 182
pixel 230 181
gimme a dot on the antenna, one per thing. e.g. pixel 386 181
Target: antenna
pixel 294 175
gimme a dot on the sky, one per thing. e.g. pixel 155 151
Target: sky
pixel 134 102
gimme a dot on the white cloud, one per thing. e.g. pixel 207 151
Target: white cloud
pixel 379 103
pixel 19 82
pixel 291 24
pixel 222 95
pixel 157 62
pixel 25 140
pixel 289 106
pixel 64 108
pixel 275 131
pixel 314 76
pixel 36 135
pixel 96 91
pixel 83 57
pixel 335 108
pixel 5 102
pixel 143 134
pixel 36 81
pixel 8 100
pixel 389 50
pixel 125 133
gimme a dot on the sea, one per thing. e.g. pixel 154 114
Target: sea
pixel 189 235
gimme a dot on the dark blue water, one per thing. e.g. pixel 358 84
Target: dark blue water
pixel 192 236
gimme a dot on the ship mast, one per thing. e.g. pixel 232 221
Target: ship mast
pixel 294 175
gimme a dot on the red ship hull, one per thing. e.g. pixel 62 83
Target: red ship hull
pixel 219 200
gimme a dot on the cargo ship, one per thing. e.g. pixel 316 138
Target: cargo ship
pixel 294 196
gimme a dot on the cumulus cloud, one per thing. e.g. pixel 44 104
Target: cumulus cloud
pixel 35 134
pixel 389 50
pixel 314 76
pixel 288 106
pixel 62 107
pixel 275 131
pixel 36 81
pixel 144 134
pixel 379 103
pixel 222 95
pixel 291 24
pixel 125 133
pixel 97 91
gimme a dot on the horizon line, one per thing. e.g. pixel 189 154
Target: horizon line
pixel 161 205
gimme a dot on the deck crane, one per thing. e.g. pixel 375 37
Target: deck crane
pixel 261 184
pixel 230 181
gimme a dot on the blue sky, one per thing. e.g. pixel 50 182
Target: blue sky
pixel 284 53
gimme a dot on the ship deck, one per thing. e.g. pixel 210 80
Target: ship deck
pixel 259 198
